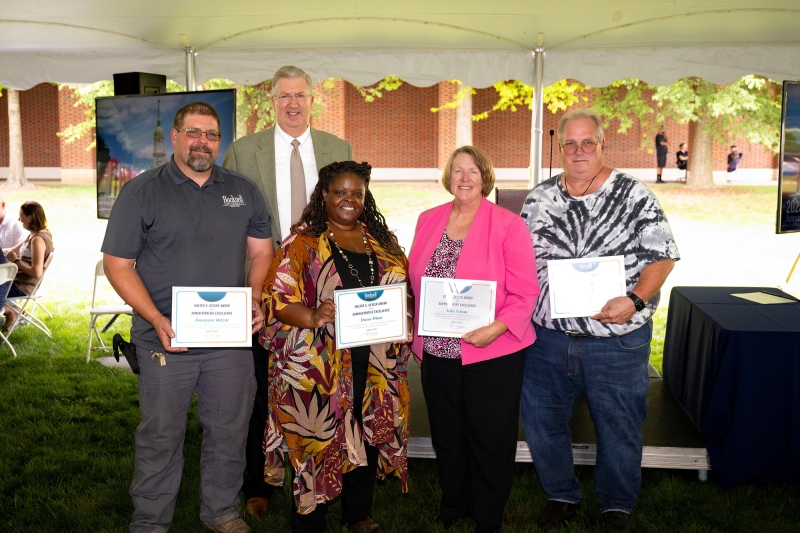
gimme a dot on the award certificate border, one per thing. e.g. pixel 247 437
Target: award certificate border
pixel 337 294
pixel 246 342
pixel 444 333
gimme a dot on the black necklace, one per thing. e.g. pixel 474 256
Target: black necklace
pixel 368 251
pixel 566 188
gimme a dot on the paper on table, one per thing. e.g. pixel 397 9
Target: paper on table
pixel 763 298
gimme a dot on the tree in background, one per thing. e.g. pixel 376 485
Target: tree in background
pixel 16 163
pixel 749 108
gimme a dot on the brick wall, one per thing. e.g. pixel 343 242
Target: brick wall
pixel 445 123
pixel 396 131
pixel 39 113
pixel 74 154
pixel 332 100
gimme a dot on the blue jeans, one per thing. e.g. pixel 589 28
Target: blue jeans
pixel 612 374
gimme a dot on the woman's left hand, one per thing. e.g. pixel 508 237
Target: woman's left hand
pixel 410 337
pixel 483 337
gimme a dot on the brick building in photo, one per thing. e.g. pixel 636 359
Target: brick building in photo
pixel 397 134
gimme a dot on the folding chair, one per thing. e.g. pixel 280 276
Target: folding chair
pixel 97 311
pixel 8 271
pixel 25 306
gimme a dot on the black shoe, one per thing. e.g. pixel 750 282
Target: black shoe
pixel 618 522
pixel 556 513
pixel 486 528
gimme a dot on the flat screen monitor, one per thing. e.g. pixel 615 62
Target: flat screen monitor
pixel 134 134
pixel 789 173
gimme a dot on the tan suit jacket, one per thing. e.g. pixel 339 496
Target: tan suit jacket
pixel 254 156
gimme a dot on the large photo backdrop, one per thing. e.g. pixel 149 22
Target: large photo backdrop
pixel 789 177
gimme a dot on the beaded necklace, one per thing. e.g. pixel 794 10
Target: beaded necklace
pixel 367 249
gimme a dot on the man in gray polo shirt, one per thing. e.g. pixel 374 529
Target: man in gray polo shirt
pixel 188 223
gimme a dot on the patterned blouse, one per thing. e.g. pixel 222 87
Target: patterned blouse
pixel 311 382
pixel 443 264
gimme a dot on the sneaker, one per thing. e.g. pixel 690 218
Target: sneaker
pixel 236 525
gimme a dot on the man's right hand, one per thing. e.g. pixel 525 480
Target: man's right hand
pixel 163 328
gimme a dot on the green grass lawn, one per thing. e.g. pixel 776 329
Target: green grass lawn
pixel 67 428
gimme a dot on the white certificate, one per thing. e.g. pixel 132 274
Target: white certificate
pixel 453 307
pixel 370 315
pixel 581 287
pixel 218 317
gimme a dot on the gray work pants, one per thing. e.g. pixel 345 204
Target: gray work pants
pixel 225 385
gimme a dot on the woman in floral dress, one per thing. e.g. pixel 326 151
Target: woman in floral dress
pixel 343 414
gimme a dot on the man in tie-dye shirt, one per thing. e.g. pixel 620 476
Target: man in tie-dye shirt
pixel 593 211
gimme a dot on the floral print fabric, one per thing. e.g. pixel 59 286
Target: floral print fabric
pixel 311 397
pixel 442 264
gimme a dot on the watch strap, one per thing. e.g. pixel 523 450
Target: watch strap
pixel 637 302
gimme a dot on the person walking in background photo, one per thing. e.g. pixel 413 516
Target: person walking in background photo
pixel 662 149
pixel 734 158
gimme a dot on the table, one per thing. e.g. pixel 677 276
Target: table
pixel 735 367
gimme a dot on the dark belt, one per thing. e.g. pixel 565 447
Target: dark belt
pixel 578 334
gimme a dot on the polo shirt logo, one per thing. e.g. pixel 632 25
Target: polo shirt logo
pixel 233 201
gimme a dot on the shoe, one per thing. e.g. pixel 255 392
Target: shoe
pixel 618 522
pixel 556 513
pixel 486 528
pixel 368 525
pixel 236 525
pixel 256 507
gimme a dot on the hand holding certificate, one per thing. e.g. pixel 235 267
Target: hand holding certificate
pixel 454 307
pixel 371 315
pixel 581 287
pixel 204 317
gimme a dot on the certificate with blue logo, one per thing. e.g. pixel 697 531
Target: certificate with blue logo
pixel 454 307
pixel 581 287
pixel 212 317
pixel 370 315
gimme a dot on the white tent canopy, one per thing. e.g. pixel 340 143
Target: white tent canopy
pixel 421 41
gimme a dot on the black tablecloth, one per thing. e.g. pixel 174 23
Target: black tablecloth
pixel 735 367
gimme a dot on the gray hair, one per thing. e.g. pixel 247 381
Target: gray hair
pixel 580 113
pixel 287 72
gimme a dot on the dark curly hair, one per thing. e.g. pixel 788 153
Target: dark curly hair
pixel 316 217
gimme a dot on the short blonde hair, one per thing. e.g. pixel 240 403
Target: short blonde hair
pixel 481 160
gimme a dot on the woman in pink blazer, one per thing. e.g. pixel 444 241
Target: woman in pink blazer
pixel 472 384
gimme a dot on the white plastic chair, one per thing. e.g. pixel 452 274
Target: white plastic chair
pixel 8 271
pixel 97 311
pixel 20 304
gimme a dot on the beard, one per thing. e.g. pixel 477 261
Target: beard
pixel 200 158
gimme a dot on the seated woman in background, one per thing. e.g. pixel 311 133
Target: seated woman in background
pixel 29 255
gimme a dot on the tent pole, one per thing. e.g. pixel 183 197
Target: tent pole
pixel 537 108
pixel 189 53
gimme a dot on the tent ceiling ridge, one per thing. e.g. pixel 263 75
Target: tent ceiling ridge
pixel 350 19
pixel 683 46
pixel 675 16
pixel 87 28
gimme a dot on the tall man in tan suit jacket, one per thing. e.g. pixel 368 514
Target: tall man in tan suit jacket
pixel 265 157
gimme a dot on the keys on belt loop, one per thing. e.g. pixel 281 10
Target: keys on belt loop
pixel 577 334
pixel 162 358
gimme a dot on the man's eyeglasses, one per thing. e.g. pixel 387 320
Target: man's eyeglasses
pixel 288 97
pixel 193 133
pixel 588 147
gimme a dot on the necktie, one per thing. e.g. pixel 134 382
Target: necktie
pixel 298 179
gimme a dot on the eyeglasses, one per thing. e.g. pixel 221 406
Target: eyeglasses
pixel 193 133
pixel 288 97
pixel 588 147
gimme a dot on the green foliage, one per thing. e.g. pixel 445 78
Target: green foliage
pixel 389 83
pixel 750 107
pixel 84 97
pixel 512 94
